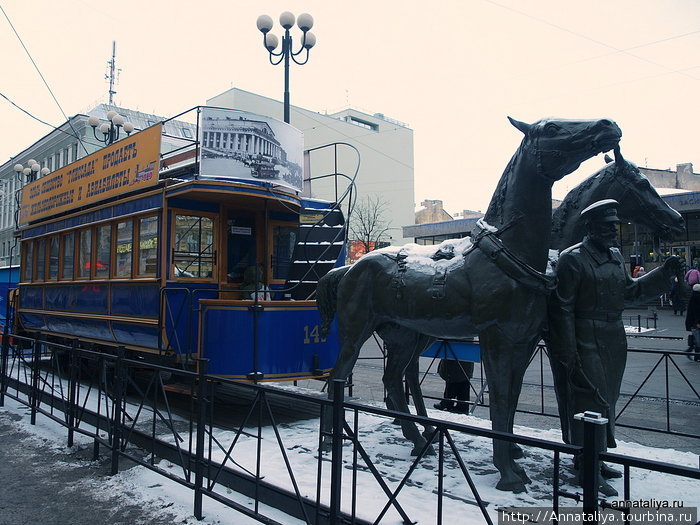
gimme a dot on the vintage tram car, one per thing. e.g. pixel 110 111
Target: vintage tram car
pixel 133 247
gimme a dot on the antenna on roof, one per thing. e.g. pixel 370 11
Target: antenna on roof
pixel 112 73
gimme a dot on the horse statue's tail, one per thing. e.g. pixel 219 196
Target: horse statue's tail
pixel 327 296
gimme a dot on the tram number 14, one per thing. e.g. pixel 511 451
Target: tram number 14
pixel 313 332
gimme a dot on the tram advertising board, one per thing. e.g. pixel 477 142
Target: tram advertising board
pixel 245 146
pixel 129 164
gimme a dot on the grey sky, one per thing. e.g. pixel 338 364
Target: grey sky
pixel 453 70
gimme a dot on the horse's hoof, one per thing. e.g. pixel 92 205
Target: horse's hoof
pixel 515 487
pixel 523 476
pixel 515 451
pixel 429 451
pixel 429 433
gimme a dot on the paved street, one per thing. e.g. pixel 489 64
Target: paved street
pixel 33 472
pixel 648 408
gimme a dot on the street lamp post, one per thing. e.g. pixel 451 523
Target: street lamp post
pixel 110 130
pixel 31 171
pixel 305 22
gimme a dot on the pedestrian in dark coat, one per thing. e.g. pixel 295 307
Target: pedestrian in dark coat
pixel 456 375
pixel 692 323
pixel 679 296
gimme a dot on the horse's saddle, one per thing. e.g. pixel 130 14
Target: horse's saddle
pixel 437 289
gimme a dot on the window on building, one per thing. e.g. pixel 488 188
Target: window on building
pixel 125 248
pixel 187 133
pixel 68 254
pixel 84 253
pixel 193 256
pixel 103 251
pixel 148 246
pixel 362 123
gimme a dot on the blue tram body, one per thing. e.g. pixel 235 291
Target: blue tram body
pixel 165 269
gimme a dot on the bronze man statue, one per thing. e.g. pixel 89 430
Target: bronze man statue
pixel 587 337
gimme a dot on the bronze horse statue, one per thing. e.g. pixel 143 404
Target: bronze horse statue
pixel 638 202
pixel 500 274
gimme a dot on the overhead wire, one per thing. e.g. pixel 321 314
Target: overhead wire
pixel 615 49
pixel 54 128
pixel 36 67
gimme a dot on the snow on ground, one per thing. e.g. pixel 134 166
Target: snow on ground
pixel 390 453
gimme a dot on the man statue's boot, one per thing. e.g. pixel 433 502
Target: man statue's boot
pixel 608 472
pixel 605 488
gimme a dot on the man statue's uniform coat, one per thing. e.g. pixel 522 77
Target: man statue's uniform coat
pixel 587 337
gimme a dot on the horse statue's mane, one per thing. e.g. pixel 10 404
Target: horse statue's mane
pixel 495 209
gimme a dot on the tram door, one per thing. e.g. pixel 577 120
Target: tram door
pixel 241 246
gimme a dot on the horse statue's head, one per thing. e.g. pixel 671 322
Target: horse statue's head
pixel 638 202
pixel 561 145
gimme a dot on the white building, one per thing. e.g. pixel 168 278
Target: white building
pixel 69 142
pixel 385 147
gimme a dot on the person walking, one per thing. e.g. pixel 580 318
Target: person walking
pixel 692 324
pixel 692 276
pixel 679 296
pixel 456 375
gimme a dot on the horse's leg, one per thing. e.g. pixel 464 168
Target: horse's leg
pixel 412 375
pixel 354 329
pixel 400 343
pixel 504 363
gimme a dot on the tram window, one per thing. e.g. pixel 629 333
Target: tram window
pixel 125 248
pixel 40 259
pixel 148 246
pixel 68 254
pixel 28 247
pixel 103 250
pixel 284 238
pixel 84 253
pixel 53 257
pixel 193 255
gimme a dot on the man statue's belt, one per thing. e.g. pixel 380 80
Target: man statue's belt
pixel 599 315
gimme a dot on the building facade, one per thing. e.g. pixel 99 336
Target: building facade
pixel 71 141
pixel 639 245
pixel 385 149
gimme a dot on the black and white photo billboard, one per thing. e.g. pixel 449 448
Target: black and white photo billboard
pixel 241 145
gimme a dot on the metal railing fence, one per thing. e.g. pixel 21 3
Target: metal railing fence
pixel 254 447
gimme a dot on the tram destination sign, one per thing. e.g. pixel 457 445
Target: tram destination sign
pixel 239 145
pixel 129 164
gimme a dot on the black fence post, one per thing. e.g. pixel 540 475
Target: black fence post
pixel 100 387
pixel 201 423
pixel 34 390
pixel 593 424
pixel 4 358
pixel 338 418
pixel 117 407
pixel 72 390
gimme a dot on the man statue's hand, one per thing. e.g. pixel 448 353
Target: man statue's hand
pixel 673 265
